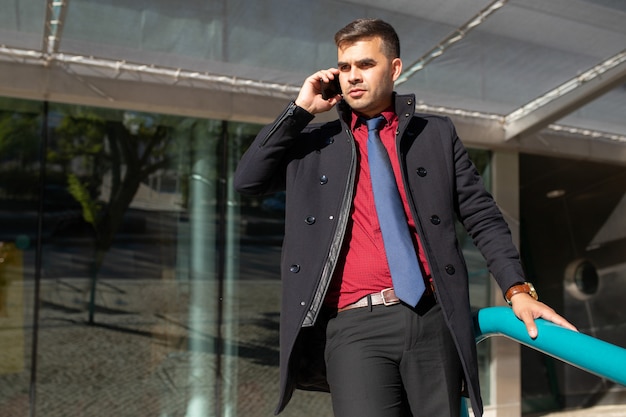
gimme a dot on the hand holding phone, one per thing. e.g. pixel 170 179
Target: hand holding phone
pixel 331 89
pixel 317 96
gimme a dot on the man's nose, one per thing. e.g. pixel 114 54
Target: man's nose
pixel 355 76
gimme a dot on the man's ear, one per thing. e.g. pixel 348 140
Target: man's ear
pixel 396 68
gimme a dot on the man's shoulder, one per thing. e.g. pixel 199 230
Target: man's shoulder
pixel 435 122
pixel 316 136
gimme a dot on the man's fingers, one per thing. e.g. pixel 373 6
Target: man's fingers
pixel 528 311
pixel 325 75
pixel 531 327
pixel 557 319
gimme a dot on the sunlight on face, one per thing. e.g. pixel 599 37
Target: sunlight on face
pixel 367 75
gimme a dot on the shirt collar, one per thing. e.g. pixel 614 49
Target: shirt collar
pixel 357 120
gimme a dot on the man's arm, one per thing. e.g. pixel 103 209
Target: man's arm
pixel 261 170
pixel 485 223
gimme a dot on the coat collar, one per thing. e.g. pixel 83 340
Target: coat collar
pixel 404 107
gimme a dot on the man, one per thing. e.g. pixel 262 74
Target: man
pixel 384 356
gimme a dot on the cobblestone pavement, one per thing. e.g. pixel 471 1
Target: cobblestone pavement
pixel 144 356
pixel 152 352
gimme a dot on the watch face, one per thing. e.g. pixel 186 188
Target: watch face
pixel 532 291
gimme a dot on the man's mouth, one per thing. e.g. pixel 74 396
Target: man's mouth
pixel 356 92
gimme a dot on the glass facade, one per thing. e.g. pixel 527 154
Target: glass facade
pixel 573 241
pixel 134 281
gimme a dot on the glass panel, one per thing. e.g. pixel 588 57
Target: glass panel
pixel 96 265
pixel 20 131
pixel 22 23
pixel 130 295
pixel 573 242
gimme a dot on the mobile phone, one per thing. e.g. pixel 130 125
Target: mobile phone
pixel 331 89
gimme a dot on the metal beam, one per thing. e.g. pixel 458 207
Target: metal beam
pixel 449 40
pixel 566 98
pixel 25 74
pixel 56 11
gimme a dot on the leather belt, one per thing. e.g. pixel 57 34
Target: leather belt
pixel 386 297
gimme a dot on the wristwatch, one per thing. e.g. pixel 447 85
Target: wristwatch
pixel 526 287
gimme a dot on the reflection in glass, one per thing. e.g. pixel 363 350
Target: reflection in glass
pixel 581 279
pixel 159 284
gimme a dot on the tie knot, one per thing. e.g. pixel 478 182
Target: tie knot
pixel 375 123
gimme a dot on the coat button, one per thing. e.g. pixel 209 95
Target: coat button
pixel 330 141
pixel 421 171
pixel 435 220
pixel 309 220
pixel 294 268
pixel 450 269
pixel 323 179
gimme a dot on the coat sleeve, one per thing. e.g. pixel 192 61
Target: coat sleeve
pixel 483 220
pixel 262 168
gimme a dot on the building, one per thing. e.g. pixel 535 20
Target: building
pixel 135 282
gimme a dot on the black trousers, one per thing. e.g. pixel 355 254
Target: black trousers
pixel 393 361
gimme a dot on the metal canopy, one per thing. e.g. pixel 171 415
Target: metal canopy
pixel 567 97
pixel 530 75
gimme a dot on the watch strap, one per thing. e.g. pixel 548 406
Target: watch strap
pixel 525 287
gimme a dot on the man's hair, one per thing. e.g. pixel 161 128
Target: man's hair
pixel 369 28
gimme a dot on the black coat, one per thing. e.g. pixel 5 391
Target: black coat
pixel 316 164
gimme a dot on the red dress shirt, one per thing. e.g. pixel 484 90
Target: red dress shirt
pixel 362 267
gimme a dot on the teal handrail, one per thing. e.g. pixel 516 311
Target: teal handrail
pixel 577 349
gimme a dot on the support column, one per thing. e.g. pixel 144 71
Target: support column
pixel 505 368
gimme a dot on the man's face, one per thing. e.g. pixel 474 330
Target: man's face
pixel 367 75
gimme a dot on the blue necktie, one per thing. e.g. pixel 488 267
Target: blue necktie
pixel 406 275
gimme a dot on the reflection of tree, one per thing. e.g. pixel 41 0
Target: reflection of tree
pixel 19 147
pixel 90 149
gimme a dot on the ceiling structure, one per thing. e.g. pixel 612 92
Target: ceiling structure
pixel 543 77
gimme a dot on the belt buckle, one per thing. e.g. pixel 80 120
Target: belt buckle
pixel 385 302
